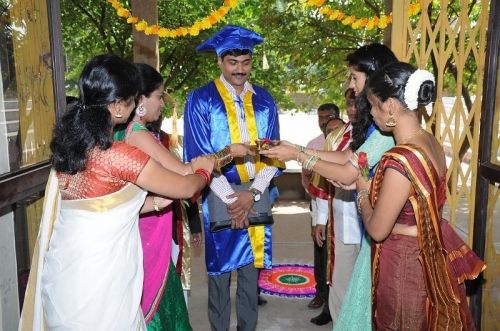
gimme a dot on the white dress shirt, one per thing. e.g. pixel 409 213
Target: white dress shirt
pixel 219 185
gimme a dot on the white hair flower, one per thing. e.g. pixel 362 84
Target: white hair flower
pixel 412 87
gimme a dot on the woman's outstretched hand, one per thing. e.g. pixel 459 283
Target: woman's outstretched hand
pixel 241 150
pixel 285 151
pixel 206 162
pixel 286 143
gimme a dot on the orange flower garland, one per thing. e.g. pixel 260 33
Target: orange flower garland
pixel 193 30
pixel 357 23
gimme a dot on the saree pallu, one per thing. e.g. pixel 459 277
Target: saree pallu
pixel 156 237
pixel 445 260
pixel 162 301
pixel 87 268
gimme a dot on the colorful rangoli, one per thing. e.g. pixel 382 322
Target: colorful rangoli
pixel 288 280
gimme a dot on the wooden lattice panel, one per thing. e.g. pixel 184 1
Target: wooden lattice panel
pixel 449 39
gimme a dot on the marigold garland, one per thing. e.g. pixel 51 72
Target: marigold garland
pixel 357 23
pixel 155 29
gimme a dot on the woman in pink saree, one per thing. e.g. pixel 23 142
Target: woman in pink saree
pixel 162 301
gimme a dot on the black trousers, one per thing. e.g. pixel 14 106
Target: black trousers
pixel 322 288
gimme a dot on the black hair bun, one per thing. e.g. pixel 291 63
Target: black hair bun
pixel 426 93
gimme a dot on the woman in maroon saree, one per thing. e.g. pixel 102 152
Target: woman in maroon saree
pixel 420 264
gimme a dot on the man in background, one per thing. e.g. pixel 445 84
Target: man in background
pixel 328 116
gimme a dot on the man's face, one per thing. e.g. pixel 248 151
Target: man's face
pixel 236 69
pixel 351 111
pixel 323 118
pixel 332 125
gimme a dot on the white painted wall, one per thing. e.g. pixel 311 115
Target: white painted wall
pixel 9 300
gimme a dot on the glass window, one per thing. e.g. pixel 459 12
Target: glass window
pixel 27 110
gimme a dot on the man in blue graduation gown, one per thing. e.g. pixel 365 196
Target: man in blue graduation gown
pixel 224 111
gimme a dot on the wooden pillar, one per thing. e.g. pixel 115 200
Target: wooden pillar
pixel 146 47
pixel 387 32
pixel 399 34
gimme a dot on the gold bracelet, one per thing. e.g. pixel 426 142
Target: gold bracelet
pixel 300 148
pixel 363 194
pixel 223 158
pixel 223 152
pixel 310 162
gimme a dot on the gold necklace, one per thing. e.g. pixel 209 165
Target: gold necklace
pixel 413 135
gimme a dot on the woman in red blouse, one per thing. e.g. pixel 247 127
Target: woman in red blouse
pixel 87 266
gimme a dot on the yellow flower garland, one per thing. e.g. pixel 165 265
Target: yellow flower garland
pixel 193 30
pixel 357 23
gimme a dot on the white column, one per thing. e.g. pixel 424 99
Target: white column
pixel 4 141
pixel 9 299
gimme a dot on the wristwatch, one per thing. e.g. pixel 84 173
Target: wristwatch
pixel 256 194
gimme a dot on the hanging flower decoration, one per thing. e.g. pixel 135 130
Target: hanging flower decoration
pixel 155 29
pixel 357 23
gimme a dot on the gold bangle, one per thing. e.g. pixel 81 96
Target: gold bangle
pixel 223 158
pixel 310 162
pixel 363 194
pixel 300 148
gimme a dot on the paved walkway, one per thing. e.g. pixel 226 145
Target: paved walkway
pixel 291 244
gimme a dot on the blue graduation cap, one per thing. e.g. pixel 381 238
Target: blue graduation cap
pixel 231 37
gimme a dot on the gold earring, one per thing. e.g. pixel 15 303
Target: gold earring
pixel 391 122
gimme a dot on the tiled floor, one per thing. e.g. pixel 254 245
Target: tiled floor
pixel 291 244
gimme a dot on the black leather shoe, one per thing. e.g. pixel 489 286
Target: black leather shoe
pixel 261 301
pixel 321 319
pixel 316 302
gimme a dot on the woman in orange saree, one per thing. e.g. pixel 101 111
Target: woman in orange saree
pixel 419 263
